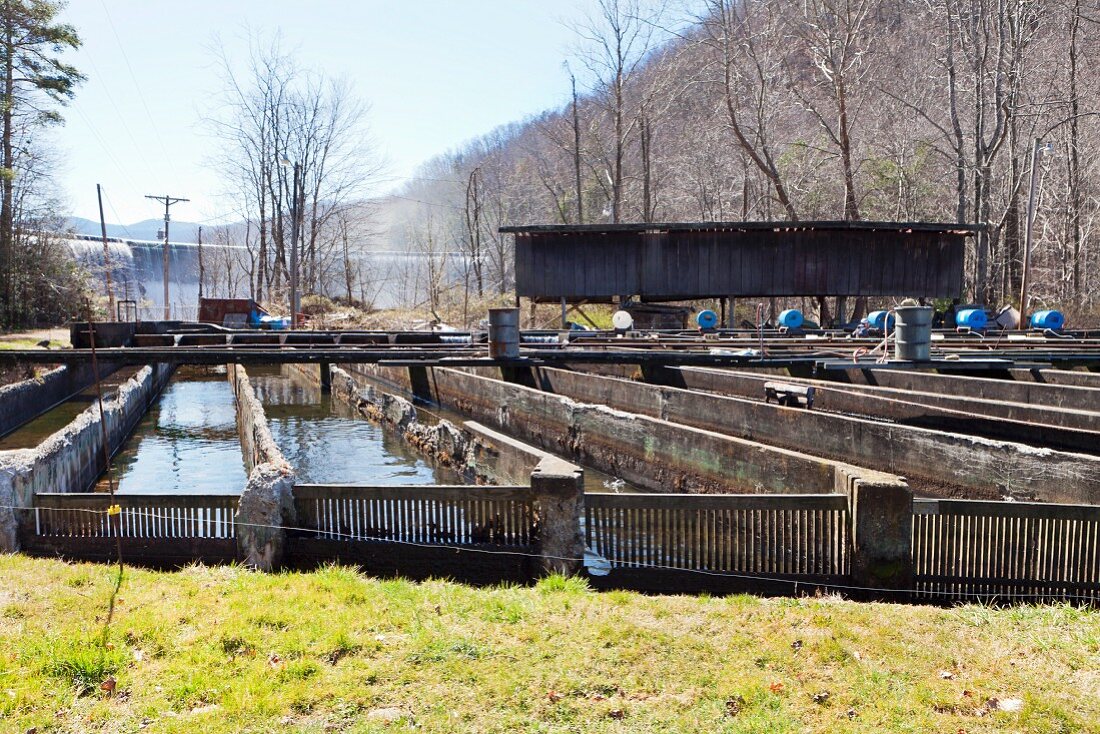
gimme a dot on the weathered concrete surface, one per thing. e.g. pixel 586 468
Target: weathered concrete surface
pixel 965 416
pixel 266 506
pixel 482 456
pixel 881 535
pixel 880 403
pixel 257 444
pixel 509 460
pixel 934 463
pixel 22 401
pixel 267 502
pixel 1026 402
pixel 72 459
pixel 648 452
pixel 558 487
pixel 1072 378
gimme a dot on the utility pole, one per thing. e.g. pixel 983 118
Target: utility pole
pixel 295 232
pixel 1036 153
pixel 201 273
pixel 106 256
pixel 296 204
pixel 168 201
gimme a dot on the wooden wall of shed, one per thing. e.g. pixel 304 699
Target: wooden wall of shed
pixel 690 264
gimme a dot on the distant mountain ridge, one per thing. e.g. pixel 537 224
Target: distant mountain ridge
pixel 144 230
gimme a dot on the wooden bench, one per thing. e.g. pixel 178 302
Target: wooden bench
pixel 792 396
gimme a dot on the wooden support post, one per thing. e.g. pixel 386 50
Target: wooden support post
pixel 326 377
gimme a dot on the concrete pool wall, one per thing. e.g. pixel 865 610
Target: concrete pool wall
pixel 71 459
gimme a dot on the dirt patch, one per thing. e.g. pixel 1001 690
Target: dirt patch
pixel 11 373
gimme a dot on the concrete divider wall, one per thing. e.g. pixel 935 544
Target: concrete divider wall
pixel 72 459
pixel 645 451
pixel 256 441
pixel 1058 428
pixel 897 406
pixel 22 401
pixel 267 501
pixel 480 454
pixel 1028 402
pixel 1073 378
pixel 935 463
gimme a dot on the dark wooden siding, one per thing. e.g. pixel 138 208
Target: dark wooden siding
pixel 694 262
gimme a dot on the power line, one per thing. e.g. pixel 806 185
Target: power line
pixel 427 203
pixel 103 145
pixel 141 95
pixel 118 112
pixel 114 212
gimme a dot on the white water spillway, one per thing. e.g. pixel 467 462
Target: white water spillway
pixel 381 278
pixel 137 273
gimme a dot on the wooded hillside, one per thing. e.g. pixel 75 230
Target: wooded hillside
pixel 908 110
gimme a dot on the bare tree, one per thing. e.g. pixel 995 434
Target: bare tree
pixel 277 115
pixel 616 40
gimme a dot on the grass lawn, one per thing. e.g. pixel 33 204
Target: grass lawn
pixel 229 650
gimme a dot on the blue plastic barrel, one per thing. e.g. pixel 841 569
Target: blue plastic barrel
pixel 791 318
pixel 706 319
pixel 879 320
pixel 972 318
pixel 1053 320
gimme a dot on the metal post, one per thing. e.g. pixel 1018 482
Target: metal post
pixel 201 271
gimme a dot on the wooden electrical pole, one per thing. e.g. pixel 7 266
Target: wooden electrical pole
pixel 168 201
pixel 201 272
pixel 1029 226
pixel 106 255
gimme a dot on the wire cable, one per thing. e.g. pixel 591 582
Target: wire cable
pixel 141 95
pixel 795 583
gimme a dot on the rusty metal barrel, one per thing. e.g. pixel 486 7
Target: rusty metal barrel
pixel 913 334
pixel 504 333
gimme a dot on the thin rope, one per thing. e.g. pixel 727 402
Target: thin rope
pixel 630 564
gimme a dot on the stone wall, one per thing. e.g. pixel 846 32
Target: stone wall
pixel 22 401
pixel 267 502
pixel 72 459
pixel 481 455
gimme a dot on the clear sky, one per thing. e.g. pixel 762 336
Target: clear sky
pixel 436 72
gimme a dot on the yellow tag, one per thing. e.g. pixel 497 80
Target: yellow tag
pixel 114 510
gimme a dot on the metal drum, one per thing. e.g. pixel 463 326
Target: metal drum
pixel 913 336
pixel 504 333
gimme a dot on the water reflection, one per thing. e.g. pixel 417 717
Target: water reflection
pixel 37 430
pixel 327 442
pixel 186 444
